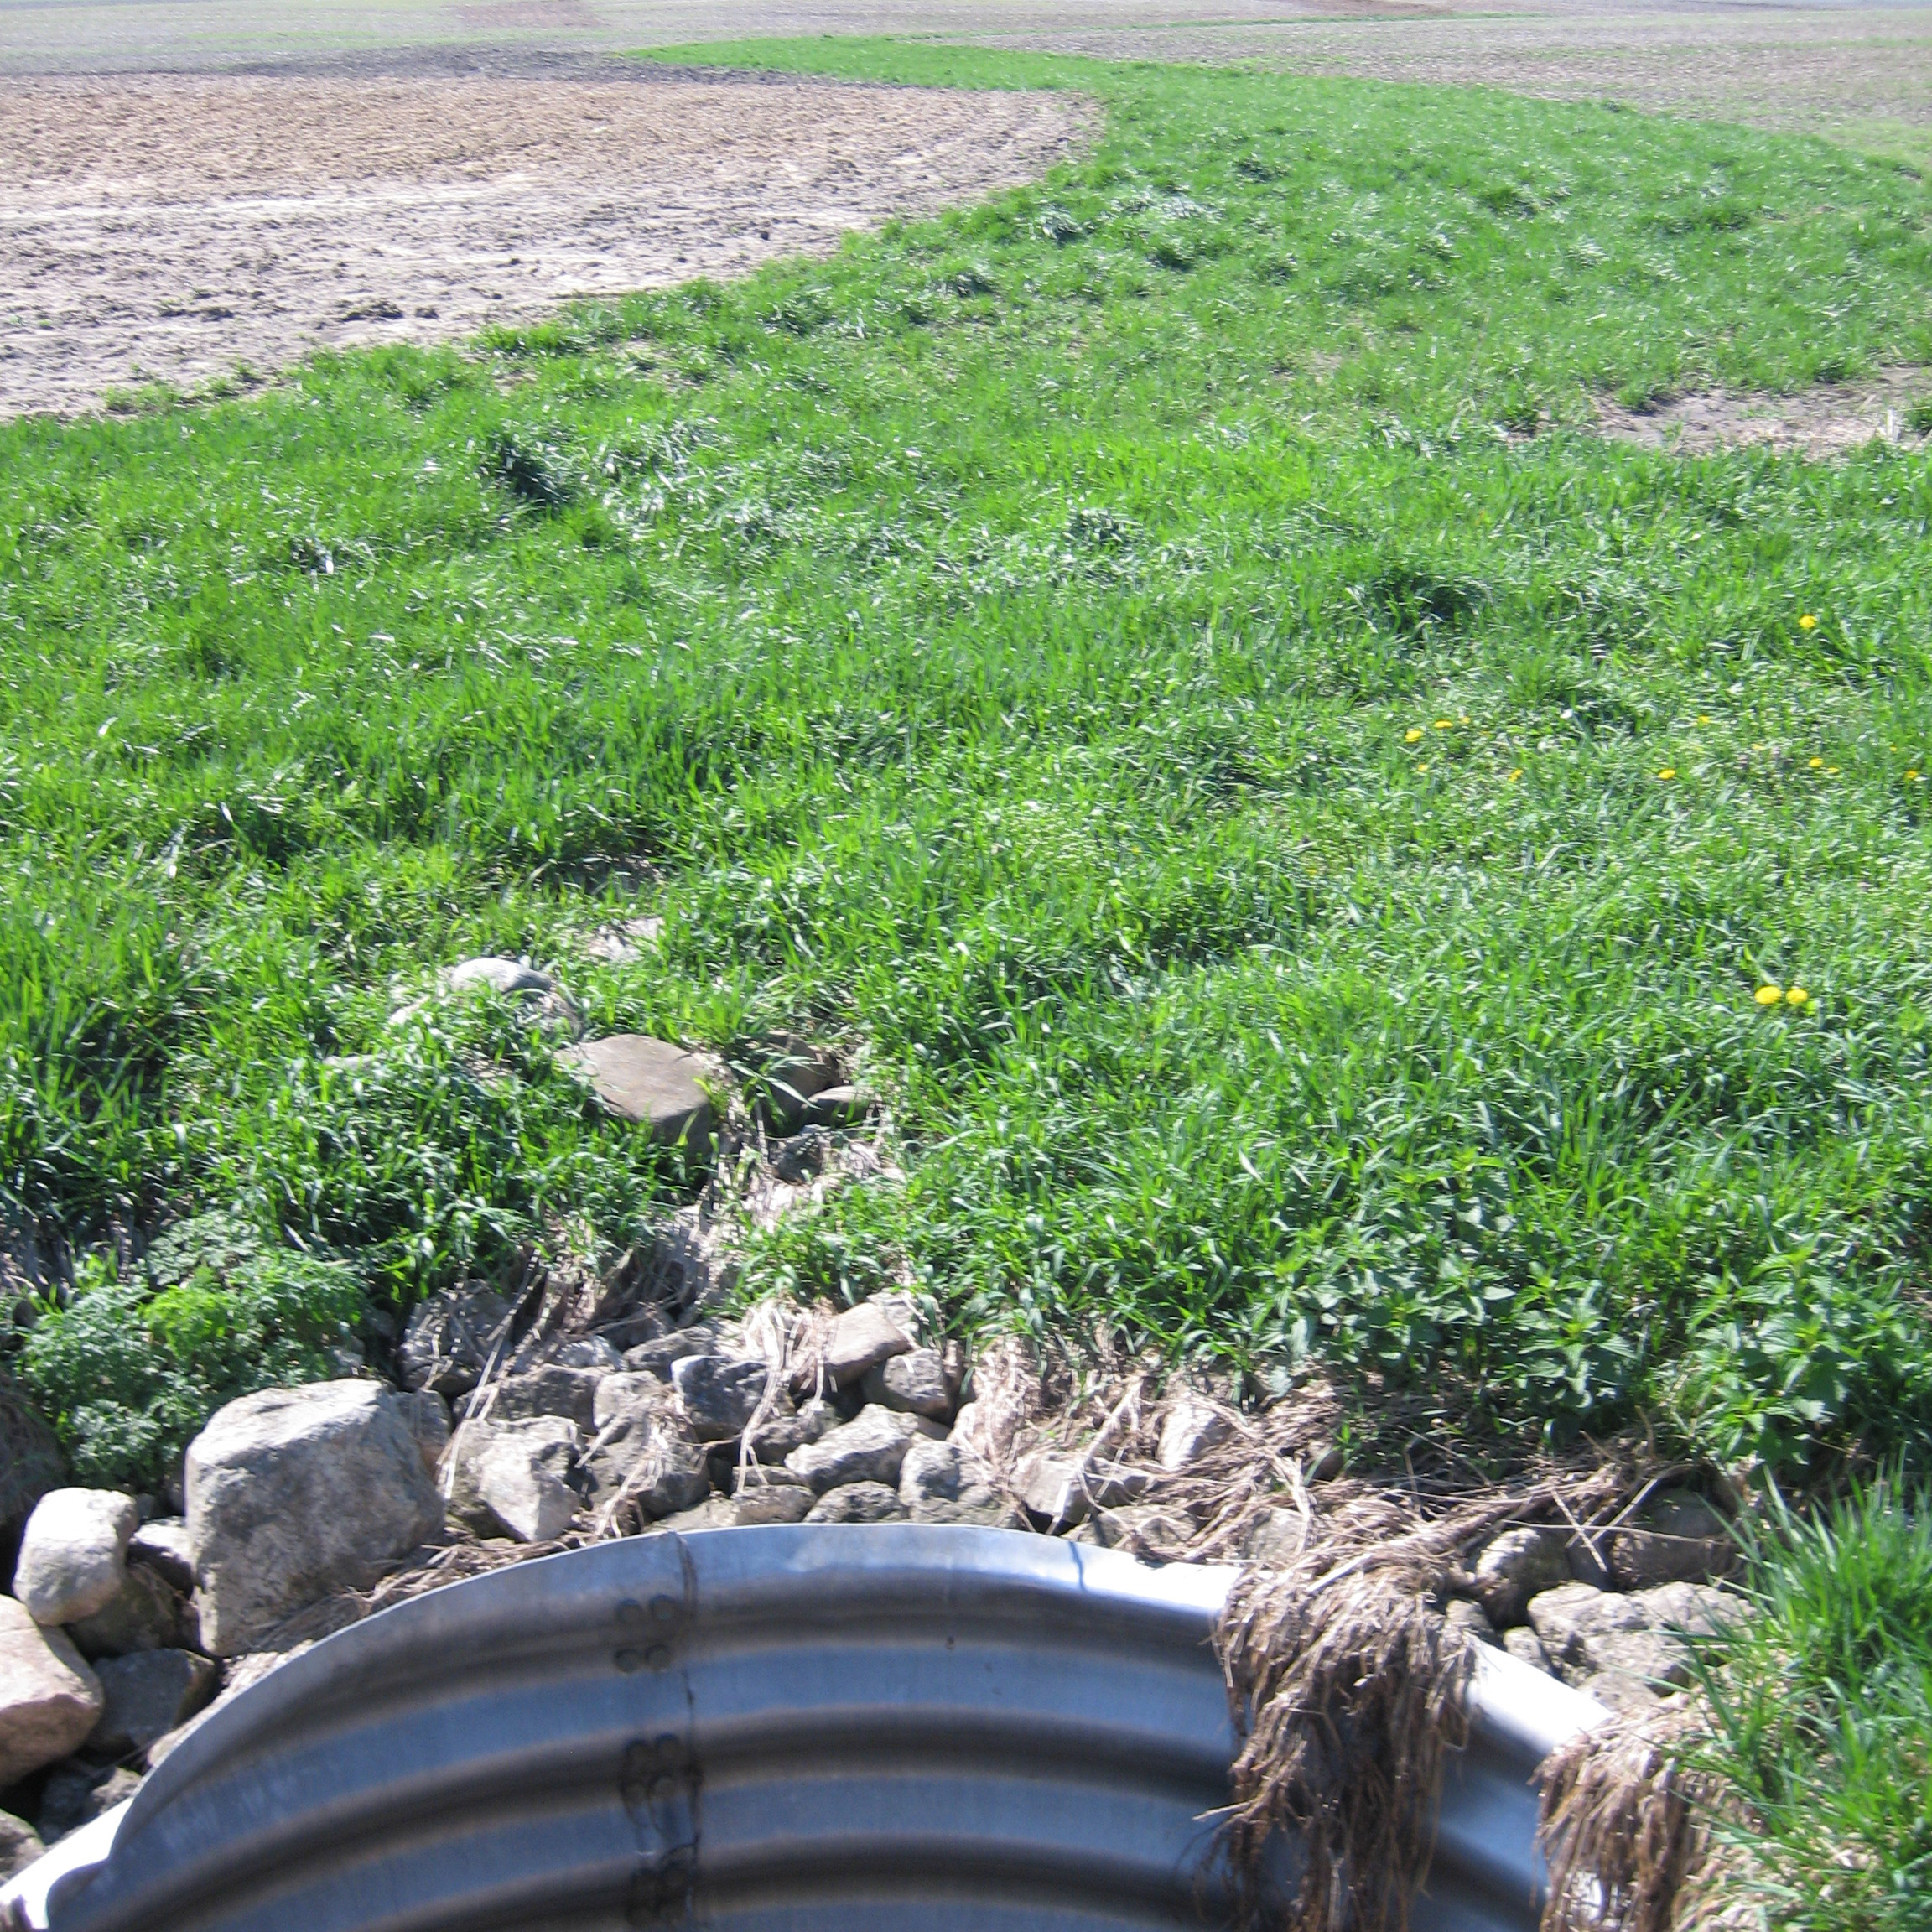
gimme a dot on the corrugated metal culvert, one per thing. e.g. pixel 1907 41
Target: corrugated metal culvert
pixel 843 1726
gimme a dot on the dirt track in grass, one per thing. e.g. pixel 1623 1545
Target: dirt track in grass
pixel 168 228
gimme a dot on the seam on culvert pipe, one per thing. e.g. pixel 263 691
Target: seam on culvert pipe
pixel 789 1727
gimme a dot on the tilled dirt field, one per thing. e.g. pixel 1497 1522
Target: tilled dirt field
pixel 171 227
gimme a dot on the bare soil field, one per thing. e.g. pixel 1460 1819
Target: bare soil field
pixel 171 227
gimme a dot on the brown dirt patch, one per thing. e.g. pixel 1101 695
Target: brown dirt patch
pixel 1828 420
pixel 170 227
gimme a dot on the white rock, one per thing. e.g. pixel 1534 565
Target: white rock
pixel 550 1439
pixel 295 1492
pixel 1059 1487
pixel 74 1556
pixel 518 1480
pixel 50 1700
pixel 503 976
pixel 650 1082
pixel 1191 1430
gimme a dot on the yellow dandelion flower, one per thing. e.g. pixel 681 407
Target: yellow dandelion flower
pixel 1701 719
pixel 1807 622
pixel 1514 776
pixel 1796 996
pixel 1424 766
pixel 1912 778
pixel 1462 720
pixel 1769 996
pixel 1830 770
pixel 1817 764
pixel 1669 771
pixel 1445 724
pixel 1413 736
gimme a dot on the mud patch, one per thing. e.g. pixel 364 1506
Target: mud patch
pixel 1829 420
pixel 169 228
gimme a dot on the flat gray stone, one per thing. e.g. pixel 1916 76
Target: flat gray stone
pixel 632 1393
pixel 946 1482
pixel 1276 1539
pixel 720 1396
pixel 146 1696
pixel 1190 1429
pixel 870 1448
pixel 859 1503
pixel 294 1493
pixel 836 1107
pixel 713 1513
pixel 50 1700
pixel 1155 1532
pixel 791 1074
pixel 1587 1631
pixel 143 1615
pixel 650 1082
pixel 20 1845
pixel 1517 1565
pixel 1620 1690
pixel 505 977
pixel 861 1338
pixel 915 1382
pixel 74 1555
pixel 657 1356
pixel 1059 1491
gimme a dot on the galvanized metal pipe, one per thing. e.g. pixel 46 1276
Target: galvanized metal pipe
pixel 844 1725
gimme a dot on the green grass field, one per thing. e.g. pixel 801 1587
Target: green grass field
pixel 1305 833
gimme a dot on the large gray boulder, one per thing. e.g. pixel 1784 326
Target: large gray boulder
pixel 295 1492
pixel 50 1700
pixel 74 1556
pixel 650 1082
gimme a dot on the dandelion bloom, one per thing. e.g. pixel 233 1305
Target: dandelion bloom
pixel 1669 771
pixel 1817 764
pixel 1514 776
pixel 1796 996
pixel 1413 734
pixel 1769 995
pixel 1912 778
pixel 1445 724
pixel 1424 766
pixel 1807 622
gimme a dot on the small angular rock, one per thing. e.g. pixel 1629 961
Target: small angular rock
pixel 1059 1487
pixel 20 1845
pixel 74 1555
pixel 946 1482
pixel 718 1396
pixel 648 1457
pixel 915 1382
pixel 651 1082
pixel 870 1448
pixel 713 1513
pixel 1524 1643
pixel 446 1341
pixel 552 1389
pixel 77 1794
pixel 858 1503
pixel 550 1441
pixel 1677 1537
pixel 1619 1691
pixel 1277 1538
pixel 143 1615
pixel 1517 1565
pixel 1154 1532
pixel 1191 1430
pixel 146 1696
pixel 861 1338
pixel 1586 1631
pixel 1459 1613
pixel 522 1481
pixel 657 1356
pixel 50 1700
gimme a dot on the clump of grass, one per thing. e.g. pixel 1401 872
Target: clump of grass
pixel 1819 1713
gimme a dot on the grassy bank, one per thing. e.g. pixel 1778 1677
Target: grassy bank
pixel 1305 832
